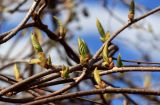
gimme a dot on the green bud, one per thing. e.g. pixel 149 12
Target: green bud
pixel 62 31
pixel 100 28
pixel 105 55
pixel 65 72
pixel 17 74
pixel 119 61
pixel 106 37
pixel 83 51
pixel 36 44
pixel 39 51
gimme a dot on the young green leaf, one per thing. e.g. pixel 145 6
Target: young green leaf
pixel 83 51
pixel 97 77
pixel 105 55
pixel 100 28
pixel 17 74
pixel 39 51
pixel 36 44
pixel 62 31
pixel 83 48
pixel 65 72
pixel 119 61
pixel 107 36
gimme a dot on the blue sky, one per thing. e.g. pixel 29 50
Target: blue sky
pixel 149 3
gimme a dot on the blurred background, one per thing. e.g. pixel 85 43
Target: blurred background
pixel 139 42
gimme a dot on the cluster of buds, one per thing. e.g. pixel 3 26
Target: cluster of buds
pixel 42 60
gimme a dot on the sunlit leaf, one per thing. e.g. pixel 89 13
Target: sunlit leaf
pixel 100 28
pixel 106 37
pixel 105 55
pixel 36 45
pixel 62 31
pixel 17 74
pixel 83 50
pixel 97 77
pixel 65 72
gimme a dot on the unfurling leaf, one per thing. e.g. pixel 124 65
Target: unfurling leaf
pixel 100 83
pixel 36 44
pixel 39 51
pixel 97 77
pixel 83 51
pixel 98 80
pixel 105 55
pixel 17 74
pixel 100 28
pixel 119 61
pixel 106 37
pixel 65 72
pixel 131 11
pixel 62 31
